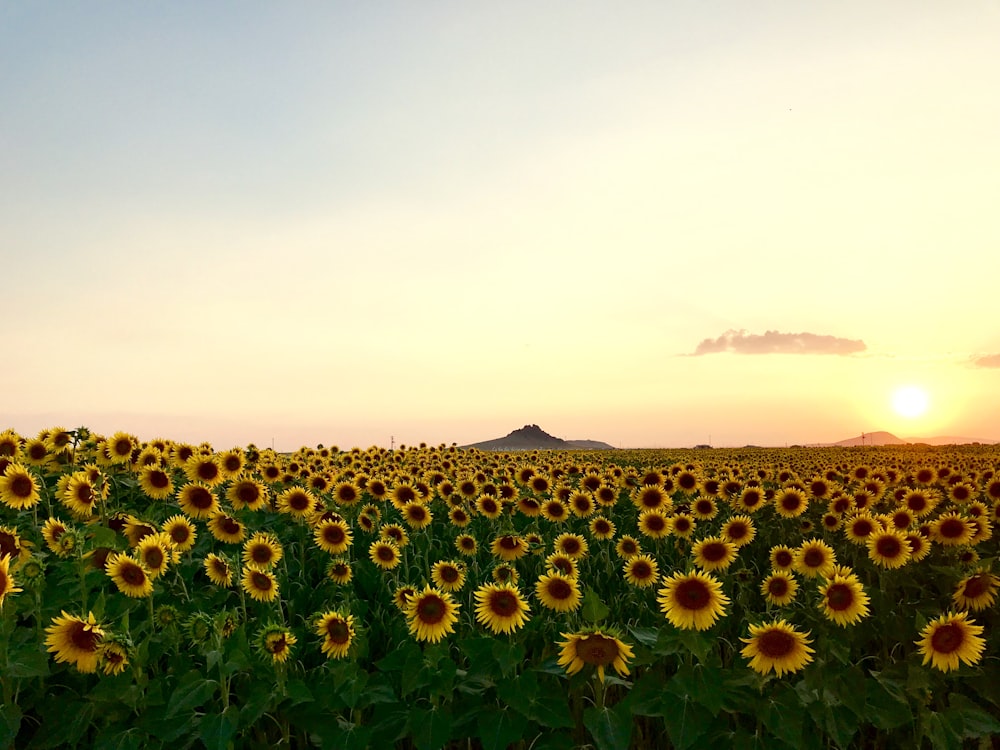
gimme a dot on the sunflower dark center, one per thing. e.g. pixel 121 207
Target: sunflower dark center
pixel 201 498
pixel 338 632
pixel 448 574
pixel 133 575
pixel 889 546
pixel 693 595
pixel 84 638
pixel 386 553
pixel 334 534
pixel 790 501
pixel 431 610
pixel 947 638
pixel 813 558
pixel 503 603
pixel 738 531
pixel 655 523
pixel 153 557
pixel 783 558
pixel 777 586
pixel 775 644
pixel 714 551
pixel 570 545
pixel 952 528
pixel 641 570
pixel 261 553
pixel 596 649
pixel 839 597
pixel 976 586
pixel 557 588
pixel 261 582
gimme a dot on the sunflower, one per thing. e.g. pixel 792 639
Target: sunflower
pixel 260 584
pixel 181 531
pixel 682 525
pixel 594 647
pixel 333 536
pixel 779 588
pixel 704 508
pixel 448 575
pixel 466 544
pixel 489 506
pixel 296 502
pixel 218 569
pixel 561 563
pixel 459 516
pixel 156 553
pixel 949 639
pixel 555 510
pixel 247 492
pixel 262 551
pixel 19 487
pixel 197 500
pixel 226 529
pixel 384 554
pixel 751 500
pixel 582 504
pixel 113 656
pixel 641 571
pixel 509 547
pixel 739 530
pixel 134 529
pixel 396 534
pixel 692 600
pixel 572 545
pixel 601 528
pixel 651 497
pixel 814 558
pixel 203 469
pixel 888 549
pixel 790 502
pixel 952 529
pixel 7 583
pixel 156 482
pixel 276 641
pixel 714 553
pixel 52 531
pixel 977 591
pixel 628 547
pixel 558 592
pixel 500 607
pixel 337 632
pixel 505 573
pixel 777 646
pixel 653 524
pixel 431 614
pixel 76 640
pixel 402 595
pixel 346 493
pixel 844 600
pixel 130 576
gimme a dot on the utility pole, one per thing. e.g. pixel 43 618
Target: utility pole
pixel 392 442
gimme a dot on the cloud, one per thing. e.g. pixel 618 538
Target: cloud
pixel 775 342
pixel 990 360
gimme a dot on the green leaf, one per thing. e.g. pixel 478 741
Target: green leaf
pixel 28 663
pixel 192 692
pixel 546 706
pixel 345 735
pixel 783 716
pixel 611 728
pixel 594 610
pixel 685 723
pixel 102 536
pixel 940 732
pixel 973 720
pixel 430 727
pixel 704 685
pixel 10 724
pixel 298 692
pixel 645 636
pixel 888 707
pixel 499 728
pixel 840 724
pixel 553 741
pixel 508 655
pixel 216 730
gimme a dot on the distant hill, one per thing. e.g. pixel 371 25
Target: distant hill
pixel 887 438
pixel 532 437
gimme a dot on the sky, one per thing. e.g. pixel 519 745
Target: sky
pixel 655 224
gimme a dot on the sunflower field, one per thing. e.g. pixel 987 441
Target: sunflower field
pixel 162 594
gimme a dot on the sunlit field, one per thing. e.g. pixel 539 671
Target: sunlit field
pixel 158 594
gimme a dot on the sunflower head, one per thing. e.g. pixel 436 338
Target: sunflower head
pixel 597 647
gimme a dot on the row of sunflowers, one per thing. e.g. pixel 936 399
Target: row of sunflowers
pixel 156 593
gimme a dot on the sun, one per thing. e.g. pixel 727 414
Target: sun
pixel 910 401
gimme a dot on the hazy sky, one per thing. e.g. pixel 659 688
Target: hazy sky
pixel 649 223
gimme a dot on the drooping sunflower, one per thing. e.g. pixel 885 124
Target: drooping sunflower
pixel 888 548
pixel 7 584
pixel 641 571
pixel 628 547
pixel 75 640
pixel 113 656
pixel 572 545
pixel 561 563
pixel 599 648
pixel 500 607
pixel 448 575
pixel 156 482
pixel 219 570
pixel 384 554
pixel 262 551
pixel 739 530
pixel 393 532
pixel 276 641
pixel 197 500
pixel 714 553
pixel 52 530
pixel 558 592
pixel 976 592
pixel 131 577
pixel 780 587
pixel 814 557
pixel 466 544
pixel 844 600
pixel 80 495
pixel 509 547
pixel 949 639
pixel 601 528
pixel 261 585
pixel 19 487
pixel 692 601
pixel 777 646
pixel 337 632
pixel 402 595
pixel 247 492
pixel 333 536
pixel 134 529
pixel 431 614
